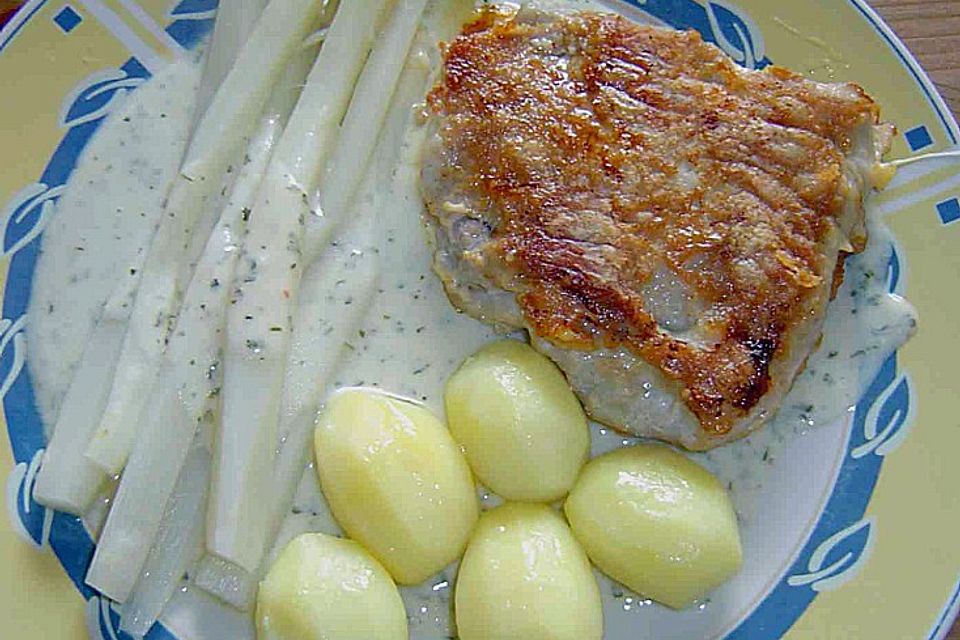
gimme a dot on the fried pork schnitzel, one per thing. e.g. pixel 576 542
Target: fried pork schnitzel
pixel 668 226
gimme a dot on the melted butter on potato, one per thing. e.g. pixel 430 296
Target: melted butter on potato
pixel 521 427
pixel 396 481
pixel 656 522
pixel 525 576
pixel 325 588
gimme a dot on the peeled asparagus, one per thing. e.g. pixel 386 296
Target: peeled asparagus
pixel 221 135
pixel 316 350
pixel 68 481
pixel 178 543
pixel 234 23
pixel 260 321
pixel 361 125
pixel 227 582
pixel 318 343
pixel 188 376
pixel 319 352
pixel 277 35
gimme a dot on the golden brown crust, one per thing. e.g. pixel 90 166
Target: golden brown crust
pixel 607 150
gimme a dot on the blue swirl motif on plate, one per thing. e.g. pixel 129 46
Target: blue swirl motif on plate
pixel 883 417
pixel 194 10
pixel 842 538
pixel 103 620
pixel 839 544
pixel 23 220
pixel 96 96
pixel 31 521
pixel 191 20
pixel 837 559
pixel 27 213
pixel 718 21
pixel 885 423
pixel 12 351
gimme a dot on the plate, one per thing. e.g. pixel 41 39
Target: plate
pixel 855 534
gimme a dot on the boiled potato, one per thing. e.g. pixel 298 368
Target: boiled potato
pixel 518 422
pixel 325 588
pixel 396 481
pixel 525 576
pixel 657 522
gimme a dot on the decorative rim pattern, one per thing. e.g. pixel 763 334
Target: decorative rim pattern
pixel 23 219
pixel 838 544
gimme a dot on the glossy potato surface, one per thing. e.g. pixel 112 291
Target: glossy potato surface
pixel 327 588
pixel 520 425
pixel 396 481
pixel 525 576
pixel 657 522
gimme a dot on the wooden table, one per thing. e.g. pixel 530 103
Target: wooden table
pixel 930 28
pixel 7 7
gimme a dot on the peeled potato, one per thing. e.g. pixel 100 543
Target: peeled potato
pixel 518 422
pixel 396 481
pixel 656 522
pixel 325 588
pixel 525 576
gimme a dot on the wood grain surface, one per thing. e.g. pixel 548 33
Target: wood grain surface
pixel 929 28
pixel 7 7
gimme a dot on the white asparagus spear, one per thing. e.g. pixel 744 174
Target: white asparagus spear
pixel 234 23
pixel 226 581
pixel 68 481
pixel 188 378
pixel 361 126
pixel 238 102
pixel 259 320
pixel 319 339
pixel 316 347
pixel 178 544
pixel 277 35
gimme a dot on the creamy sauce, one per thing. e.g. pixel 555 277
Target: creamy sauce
pixel 410 339
pixel 102 224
